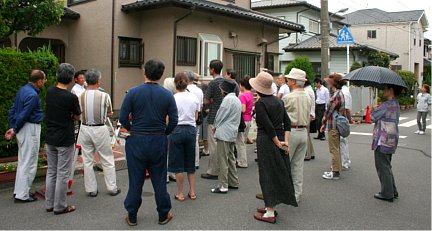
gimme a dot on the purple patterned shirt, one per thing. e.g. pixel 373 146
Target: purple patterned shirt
pixel 386 131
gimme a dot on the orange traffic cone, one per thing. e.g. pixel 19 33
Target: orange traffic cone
pixel 368 117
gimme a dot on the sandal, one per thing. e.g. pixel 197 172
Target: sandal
pixel 68 209
pixel 263 210
pixel 192 197
pixel 181 199
pixel 50 210
pixel 168 219
pixel 128 221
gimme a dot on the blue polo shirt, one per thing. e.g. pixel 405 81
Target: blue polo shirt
pixel 26 108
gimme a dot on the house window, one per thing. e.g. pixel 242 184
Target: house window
pixel 313 26
pixel 130 52
pixel 371 34
pixel 186 51
pixel 245 64
pixel 74 2
pixel 396 67
pixel 270 61
pixel 211 47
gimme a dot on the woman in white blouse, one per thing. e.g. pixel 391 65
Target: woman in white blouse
pixel 283 86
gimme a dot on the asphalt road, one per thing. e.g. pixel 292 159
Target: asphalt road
pixel 344 204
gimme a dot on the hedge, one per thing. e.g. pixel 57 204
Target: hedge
pixel 15 68
pixel 303 63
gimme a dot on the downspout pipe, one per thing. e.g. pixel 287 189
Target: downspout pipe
pixel 175 39
pixel 297 21
pixel 112 51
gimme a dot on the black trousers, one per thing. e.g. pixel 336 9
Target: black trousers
pixel 319 113
pixel 385 174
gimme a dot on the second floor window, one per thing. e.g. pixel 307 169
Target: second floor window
pixel 371 34
pixel 186 51
pixel 313 26
pixel 130 52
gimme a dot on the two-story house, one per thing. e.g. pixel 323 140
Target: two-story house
pixel 118 36
pixel 400 32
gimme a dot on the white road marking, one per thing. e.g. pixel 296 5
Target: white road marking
pixel 370 134
pixel 409 123
pixel 403 118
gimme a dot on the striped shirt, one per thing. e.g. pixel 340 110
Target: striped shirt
pixel 215 96
pixel 94 106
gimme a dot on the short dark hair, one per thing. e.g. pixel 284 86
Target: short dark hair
pixel 181 81
pixel 318 80
pixel 92 76
pixel 65 73
pixel 232 73
pixel 78 73
pixel 308 82
pixel 426 87
pixel 154 69
pixel 216 65
pixel 244 81
pixel 36 75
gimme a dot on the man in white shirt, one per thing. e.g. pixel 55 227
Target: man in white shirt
pixel 79 87
pixel 322 100
pixel 346 162
pixel 283 86
pixel 194 89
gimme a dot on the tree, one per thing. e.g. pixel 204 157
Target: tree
pixel 31 16
pixel 355 65
pixel 427 75
pixel 378 58
pixel 303 63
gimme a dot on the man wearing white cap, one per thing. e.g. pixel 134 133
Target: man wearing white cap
pixel 298 106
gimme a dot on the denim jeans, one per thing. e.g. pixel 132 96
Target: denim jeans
pixel 147 152
pixel 182 149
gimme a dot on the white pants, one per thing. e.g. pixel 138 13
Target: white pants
pixel 92 139
pixel 247 129
pixel 28 149
pixel 297 153
pixel 344 149
pixel 241 150
pixel 213 165
pixel 197 156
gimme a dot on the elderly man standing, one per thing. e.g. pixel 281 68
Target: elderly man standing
pixel 25 118
pixel 62 108
pixel 298 106
pixel 213 98
pixel 150 106
pixel 94 135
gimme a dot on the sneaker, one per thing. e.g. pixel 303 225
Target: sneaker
pixel 421 133
pixel 345 167
pixel 331 176
pixel 417 132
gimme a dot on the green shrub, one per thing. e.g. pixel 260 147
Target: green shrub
pixel 410 81
pixel 355 66
pixel 303 63
pixel 15 68
pixel 427 75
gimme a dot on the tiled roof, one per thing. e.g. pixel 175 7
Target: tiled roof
pixel 314 43
pixel 373 16
pixel 268 4
pixel 229 10
pixel 68 13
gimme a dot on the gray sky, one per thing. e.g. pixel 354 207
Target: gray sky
pixel 386 5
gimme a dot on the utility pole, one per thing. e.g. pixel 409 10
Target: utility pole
pixel 325 51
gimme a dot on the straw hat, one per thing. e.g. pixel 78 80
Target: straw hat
pixel 262 83
pixel 297 74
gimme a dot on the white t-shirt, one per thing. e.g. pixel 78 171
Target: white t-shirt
pixel 347 96
pixel 274 88
pixel 187 106
pixel 198 93
pixel 78 90
pixel 284 90
pixel 311 94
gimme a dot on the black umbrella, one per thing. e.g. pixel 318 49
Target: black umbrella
pixel 373 76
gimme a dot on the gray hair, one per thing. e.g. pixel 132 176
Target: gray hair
pixel 65 73
pixel 300 83
pixel 92 76
pixel 190 75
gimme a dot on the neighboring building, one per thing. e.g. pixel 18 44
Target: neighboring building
pixel 118 36
pixel 399 32
pixel 302 13
pixel 338 55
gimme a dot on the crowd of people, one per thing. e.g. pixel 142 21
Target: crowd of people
pixel 166 122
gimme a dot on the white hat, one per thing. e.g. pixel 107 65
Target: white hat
pixel 297 74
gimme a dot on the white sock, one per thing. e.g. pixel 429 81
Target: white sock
pixel 269 214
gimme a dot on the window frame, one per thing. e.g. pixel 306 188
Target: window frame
pixel 185 62
pixel 203 40
pixel 140 55
pixel 311 21
pixel 245 55
pixel 371 34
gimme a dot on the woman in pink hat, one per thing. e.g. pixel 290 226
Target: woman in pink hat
pixel 272 149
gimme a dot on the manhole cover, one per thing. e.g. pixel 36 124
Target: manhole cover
pixel 147 194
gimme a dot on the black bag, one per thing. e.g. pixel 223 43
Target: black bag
pixel 200 119
pixel 242 125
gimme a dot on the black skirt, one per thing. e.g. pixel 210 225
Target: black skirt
pixel 274 173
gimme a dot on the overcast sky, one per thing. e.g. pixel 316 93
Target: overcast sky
pixel 386 5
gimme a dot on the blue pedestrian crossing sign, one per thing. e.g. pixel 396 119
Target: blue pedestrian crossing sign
pixel 345 36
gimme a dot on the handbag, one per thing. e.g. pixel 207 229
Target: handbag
pixel 342 123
